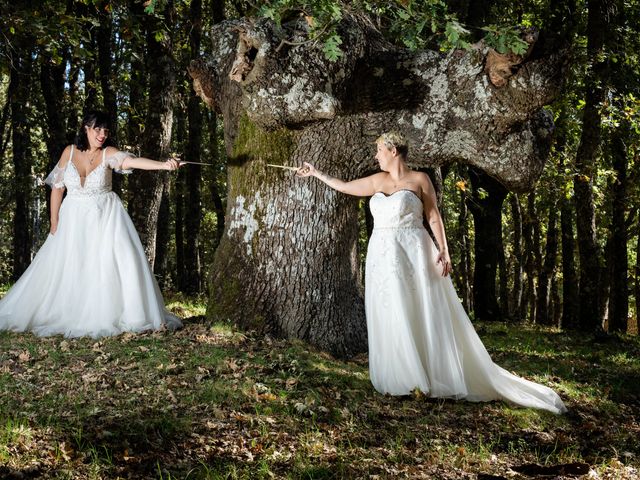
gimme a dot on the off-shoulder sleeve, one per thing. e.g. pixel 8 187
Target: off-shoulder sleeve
pixel 115 161
pixel 56 178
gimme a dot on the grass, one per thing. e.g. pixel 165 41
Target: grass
pixel 209 402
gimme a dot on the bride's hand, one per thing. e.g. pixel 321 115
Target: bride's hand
pixel 306 170
pixel 172 164
pixel 443 258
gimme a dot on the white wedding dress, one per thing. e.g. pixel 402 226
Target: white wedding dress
pixel 419 334
pixel 92 277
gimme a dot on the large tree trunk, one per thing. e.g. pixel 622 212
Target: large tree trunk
pixel 146 186
pixel 287 262
pixel 273 258
pixel 20 80
pixel 486 208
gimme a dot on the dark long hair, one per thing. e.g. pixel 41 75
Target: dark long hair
pixel 93 118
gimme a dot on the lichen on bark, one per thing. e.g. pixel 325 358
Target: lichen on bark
pixel 290 245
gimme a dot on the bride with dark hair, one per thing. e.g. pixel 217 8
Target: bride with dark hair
pixel 91 276
pixel 419 334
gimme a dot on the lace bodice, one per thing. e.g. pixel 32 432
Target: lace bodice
pixel 98 180
pixel 401 209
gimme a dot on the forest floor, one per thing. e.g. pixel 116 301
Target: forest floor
pixel 209 402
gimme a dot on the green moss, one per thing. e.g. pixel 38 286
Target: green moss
pixel 223 298
pixel 253 149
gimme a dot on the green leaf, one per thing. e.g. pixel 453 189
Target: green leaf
pixel 451 34
pixel 482 193
pixel 331 48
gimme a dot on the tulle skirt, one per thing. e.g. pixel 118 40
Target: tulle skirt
pixel 419 334
pixel 91 278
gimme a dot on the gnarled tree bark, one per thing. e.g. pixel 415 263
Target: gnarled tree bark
pixel 288 261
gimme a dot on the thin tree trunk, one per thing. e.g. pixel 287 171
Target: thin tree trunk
pixel 544 313
pixel 604 286
pixel 160 267
pixel 214 190
pixel 586 157
pixel 73 115
pixel 570 285
pixel 52 87
pixel 527 311
pixel 217 14
pixel 20 79
pixel 89 70
pixel 569 305
pixel 193 207
pixel 537 252
pixel 4 120
pixel 104 37
pixel 637 277
pixel 556 301
pixel 464 287
pixel 619 298
pixel 516 295
pixel 487 219
pixel 503 279
pixel 147 187
pixel 179 230
pixel 137 102
pixel 178 196
pixel 619 308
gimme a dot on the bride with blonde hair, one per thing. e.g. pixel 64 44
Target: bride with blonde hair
pixel 419 335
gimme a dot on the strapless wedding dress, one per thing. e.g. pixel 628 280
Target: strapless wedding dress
pixel 419 334
pixel 92 277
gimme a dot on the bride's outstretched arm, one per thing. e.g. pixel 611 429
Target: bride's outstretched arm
pixel 362 187
pixel 142 163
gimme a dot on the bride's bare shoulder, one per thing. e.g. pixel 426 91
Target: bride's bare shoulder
pixel 422 178
pixel 111 151
pixel 65 156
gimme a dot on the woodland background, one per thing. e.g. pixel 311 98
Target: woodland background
pixel 566 252
pixel 210 401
